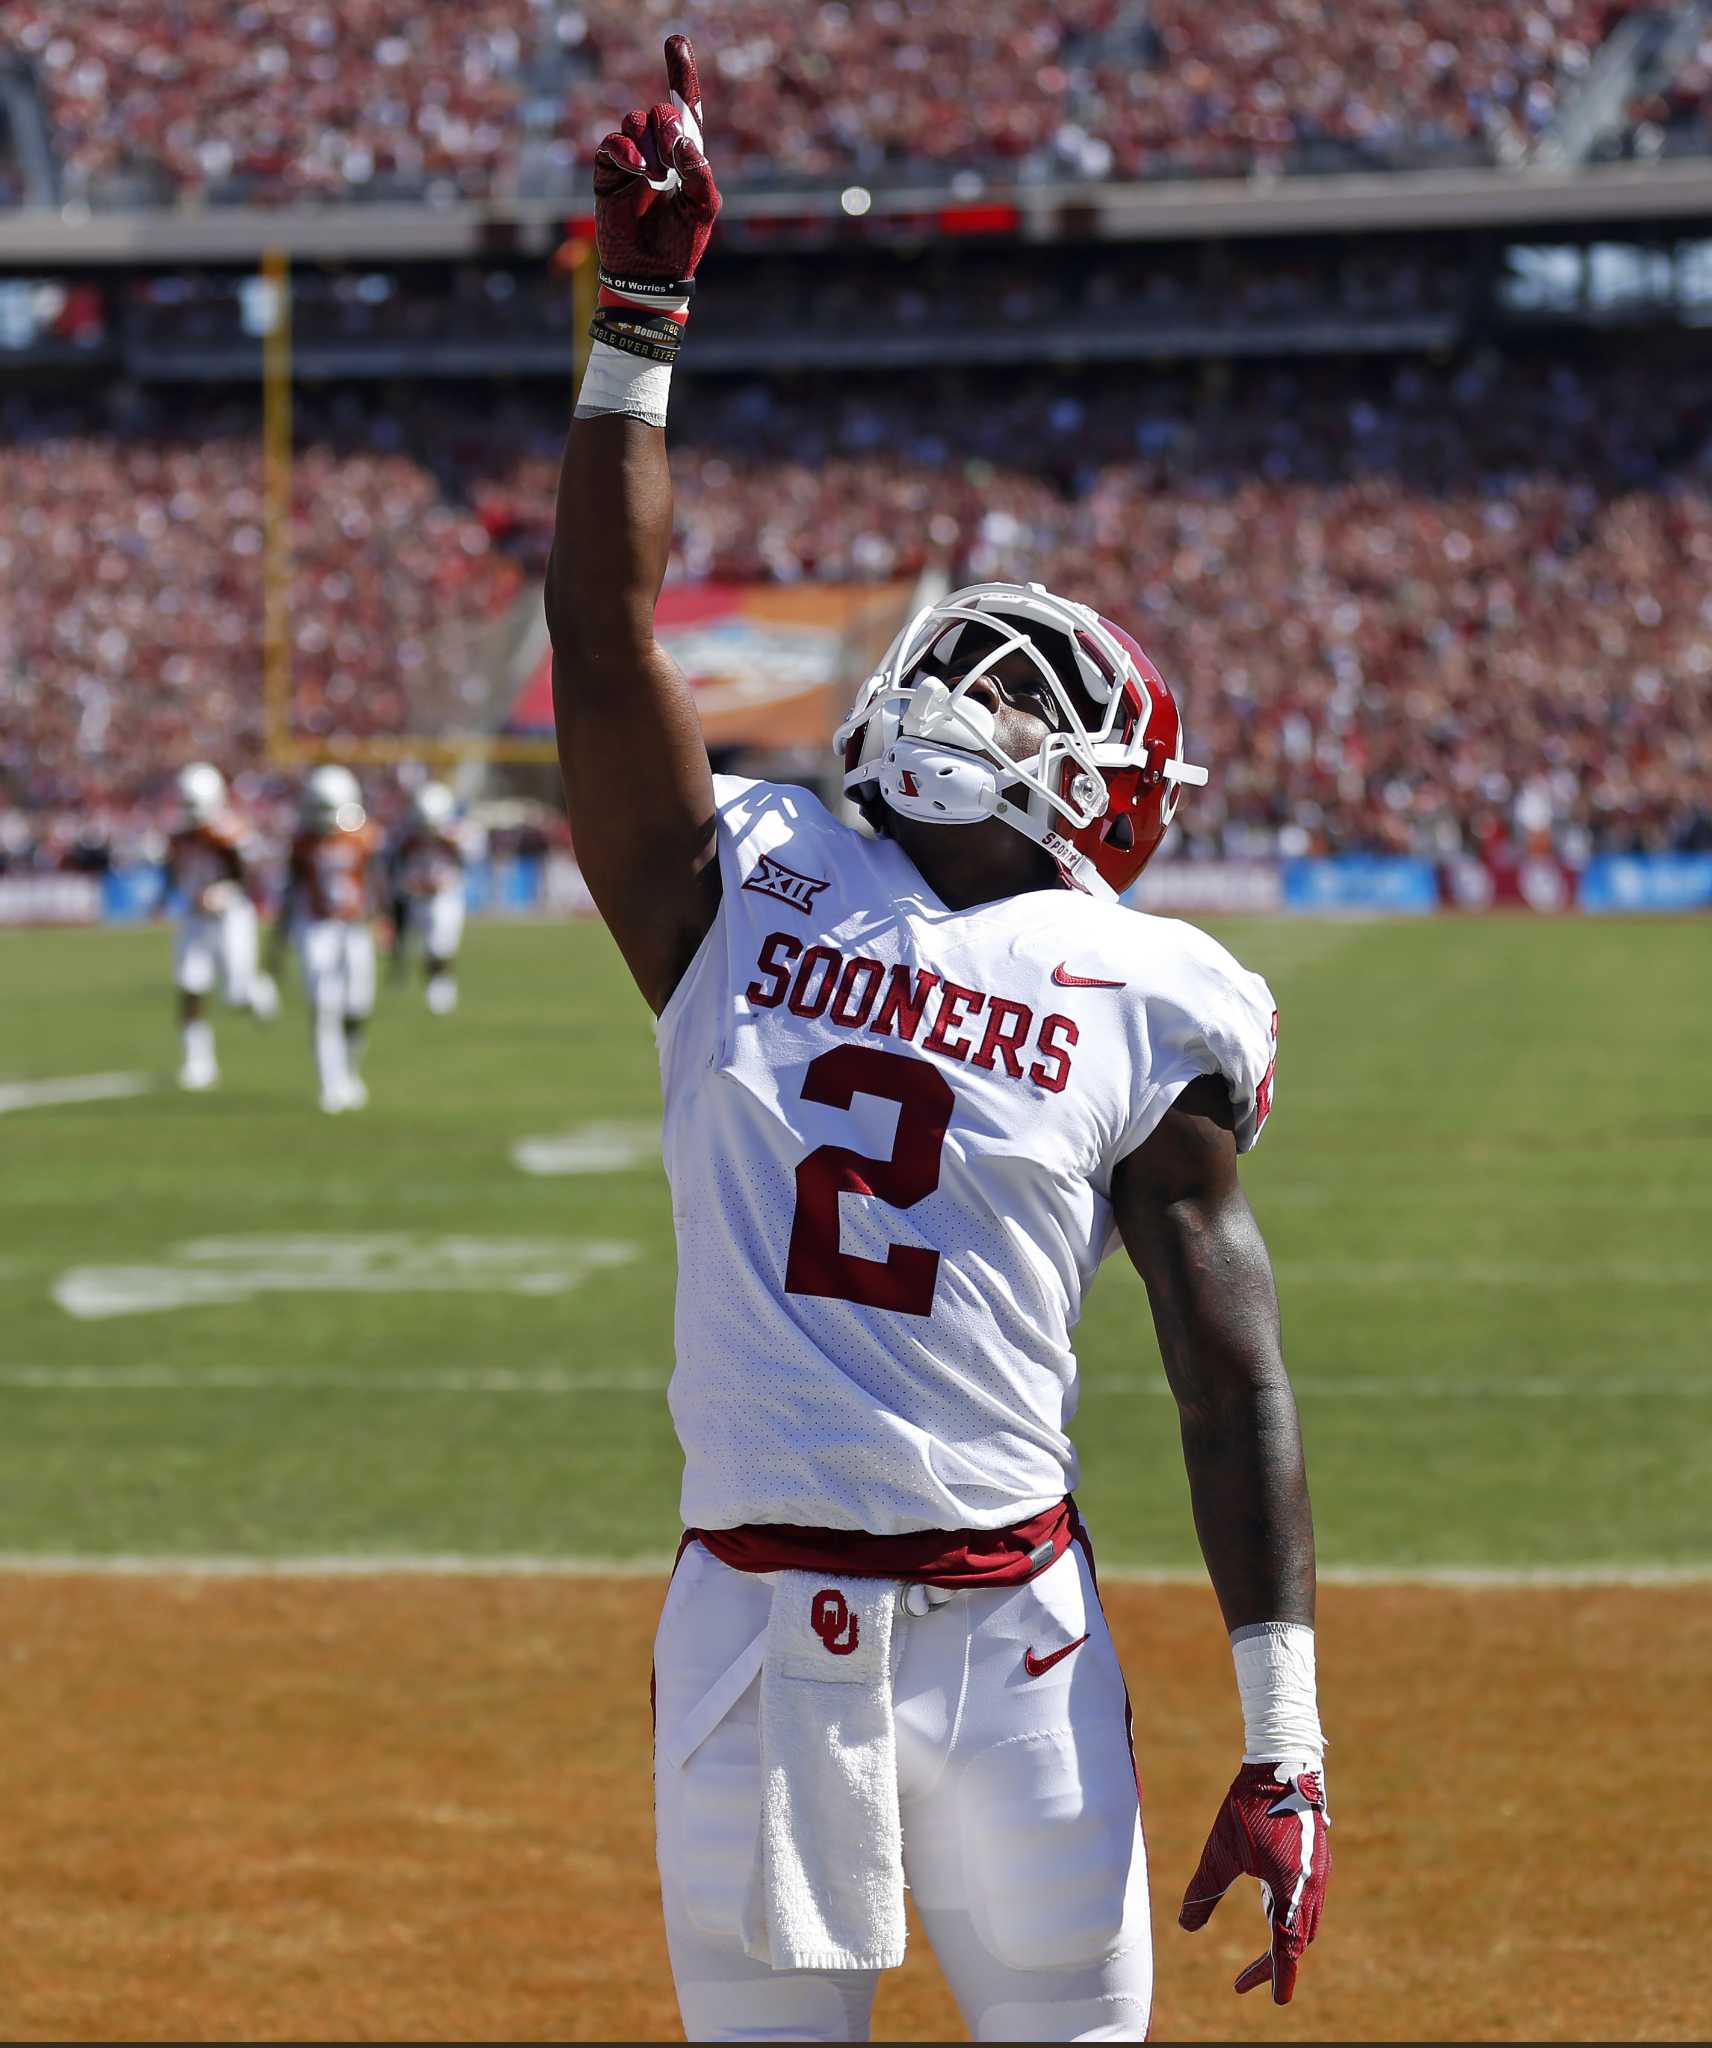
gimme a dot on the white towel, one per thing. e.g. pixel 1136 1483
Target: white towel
pixel 827 1889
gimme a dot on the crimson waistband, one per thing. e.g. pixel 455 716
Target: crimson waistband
pixel 955 1558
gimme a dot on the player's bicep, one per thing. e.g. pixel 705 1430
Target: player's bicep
pixel 1191 1235
pixel 640 795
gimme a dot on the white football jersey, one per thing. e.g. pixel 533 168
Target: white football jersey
pixel 890 1131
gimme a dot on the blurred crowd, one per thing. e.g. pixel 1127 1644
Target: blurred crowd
pixel 134 834
pixel 1678 114
pixel 278 99
pixel 1409 608
pixel 268 101
pixel 1241 86
pixel 132 581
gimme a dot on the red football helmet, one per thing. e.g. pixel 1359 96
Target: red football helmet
pixel 1105 785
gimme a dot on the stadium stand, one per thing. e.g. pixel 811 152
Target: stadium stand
pixel 1674 118
pixel 131 589
pixel 1283 85
pixel 1411 607
pixel 270 101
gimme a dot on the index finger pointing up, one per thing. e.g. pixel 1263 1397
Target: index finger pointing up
pixel 685 84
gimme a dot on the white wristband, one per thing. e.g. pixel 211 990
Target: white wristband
pixel 621 383
pixel 1280 1706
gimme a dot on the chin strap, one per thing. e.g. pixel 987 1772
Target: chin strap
pixel 1075 869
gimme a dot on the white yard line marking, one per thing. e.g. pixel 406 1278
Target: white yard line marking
pixel 154 1379
pixel 70 1088
pixel 428 1565
pixel 228 1269
pixel 1433 1274
pixel 591 1148
pixel 555 1382
pixel 1470 1578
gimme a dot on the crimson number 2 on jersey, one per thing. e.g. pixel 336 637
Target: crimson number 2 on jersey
pixel 904 1279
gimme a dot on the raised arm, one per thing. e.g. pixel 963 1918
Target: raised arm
pixel 1187 1227
pixel 635 769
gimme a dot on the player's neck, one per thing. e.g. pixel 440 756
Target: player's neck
pixel 969 864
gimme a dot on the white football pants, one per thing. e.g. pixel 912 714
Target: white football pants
pixel 338 963
pixel 218 945
pixel 443 925
pixel 1021 1818
pixel 435 922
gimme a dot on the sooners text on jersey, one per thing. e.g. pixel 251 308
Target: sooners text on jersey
pixel 890 1130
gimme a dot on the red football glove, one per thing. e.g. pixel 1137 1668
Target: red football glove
pixel 1272 1826
pixel 655 201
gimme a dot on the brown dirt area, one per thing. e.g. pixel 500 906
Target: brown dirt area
pixel 417 1808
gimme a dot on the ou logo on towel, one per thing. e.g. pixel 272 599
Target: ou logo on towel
pixel 829 1617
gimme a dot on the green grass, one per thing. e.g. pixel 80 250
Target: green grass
pixel 1485 1188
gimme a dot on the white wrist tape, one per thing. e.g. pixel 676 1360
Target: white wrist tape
pixel 616 382
pixel 1280 1703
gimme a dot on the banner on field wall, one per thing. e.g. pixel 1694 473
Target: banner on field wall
pixel 522 884
pixel 1230 887
pixel 1360 881
pixel 1647 881
pixel 772 664
pixel 50 899
pixel 1505 881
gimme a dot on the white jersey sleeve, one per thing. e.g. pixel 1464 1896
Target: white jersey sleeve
pixel 1204 1014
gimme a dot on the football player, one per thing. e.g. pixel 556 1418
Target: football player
pixel 327 909
pixel 426 864
pixel 209 874
pixel 918 1082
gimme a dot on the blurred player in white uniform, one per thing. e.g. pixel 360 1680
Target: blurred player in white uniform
pixel 328 911
pixel 209 872
pixel 427 867
pixel 918 1083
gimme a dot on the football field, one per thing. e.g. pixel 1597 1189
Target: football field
pixel 336 1483
pixel 235 1327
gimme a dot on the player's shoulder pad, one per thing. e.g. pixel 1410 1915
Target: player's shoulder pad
pixel 788 807
pixel 1205 1010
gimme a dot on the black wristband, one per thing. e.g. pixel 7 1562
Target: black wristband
pixel 647 287
pixel 652 336
pixel 636 320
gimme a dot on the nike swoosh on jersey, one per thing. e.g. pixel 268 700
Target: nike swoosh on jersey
pixel 1065 979
pixel 1036 1667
